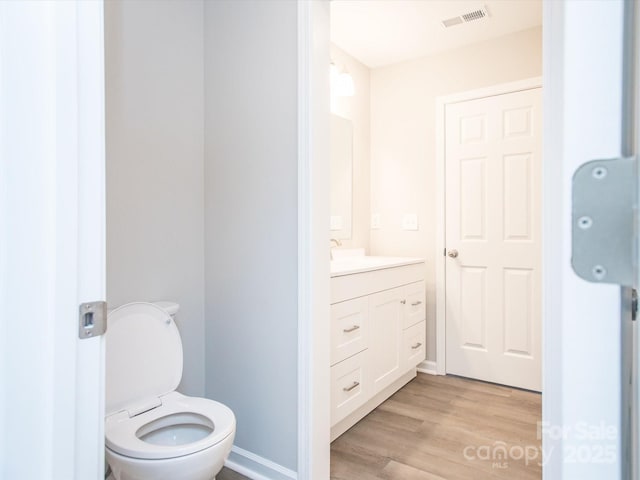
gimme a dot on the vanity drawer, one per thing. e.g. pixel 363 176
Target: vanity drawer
pixel 413 344
pixel 357 285
pixel 414 308
pixel 349 386
pixel 349 328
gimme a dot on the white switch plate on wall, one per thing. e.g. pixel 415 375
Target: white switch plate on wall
pixel 410 221
pixel 336 222
pixel 375 221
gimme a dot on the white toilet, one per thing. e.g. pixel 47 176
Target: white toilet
pixel 153 432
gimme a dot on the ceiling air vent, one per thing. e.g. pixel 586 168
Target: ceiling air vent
pixel 466 17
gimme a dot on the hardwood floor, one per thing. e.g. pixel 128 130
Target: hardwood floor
pixel 227 474
pixel 422 431
pixel 444 427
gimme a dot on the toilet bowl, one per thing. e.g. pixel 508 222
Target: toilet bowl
pixel 153 432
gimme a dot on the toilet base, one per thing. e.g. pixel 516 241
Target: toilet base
pixel 202 465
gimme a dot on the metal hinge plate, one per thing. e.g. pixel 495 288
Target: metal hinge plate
pixel 92 319
pixel 604 221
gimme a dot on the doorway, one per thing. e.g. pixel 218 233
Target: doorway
pixel 404 176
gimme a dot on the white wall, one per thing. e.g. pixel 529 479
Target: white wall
pixel 251 184
pixel 357 109
pixel 155 142
pixel 403 101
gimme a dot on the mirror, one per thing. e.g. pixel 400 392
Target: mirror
pixel 341 177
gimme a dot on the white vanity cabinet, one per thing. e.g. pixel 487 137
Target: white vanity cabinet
pixel 377 335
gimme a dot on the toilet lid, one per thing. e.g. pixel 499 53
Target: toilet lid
pixel 126 436
pixel 143 355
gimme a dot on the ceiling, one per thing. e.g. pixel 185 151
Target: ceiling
pixel 383 32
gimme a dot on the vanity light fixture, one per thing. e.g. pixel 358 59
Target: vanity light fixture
pixel 341 82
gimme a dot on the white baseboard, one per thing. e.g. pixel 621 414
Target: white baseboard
pixel 428 367
pixel 256 467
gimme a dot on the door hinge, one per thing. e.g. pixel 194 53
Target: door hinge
pixel 604 209
pixel 92 319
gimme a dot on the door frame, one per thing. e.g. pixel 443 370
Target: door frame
pixel 314 417
pixel 441 105
pixel 568 34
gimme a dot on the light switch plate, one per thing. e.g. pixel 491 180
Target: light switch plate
pixel 410 221
pixel 335 222
pixel 375 221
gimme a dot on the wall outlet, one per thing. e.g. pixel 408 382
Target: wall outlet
pixel 410 221
pixel 375 221
pixel 335 222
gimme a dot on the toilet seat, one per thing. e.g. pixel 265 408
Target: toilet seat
pixel 122 431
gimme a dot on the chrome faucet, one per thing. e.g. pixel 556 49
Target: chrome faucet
pixel 338 242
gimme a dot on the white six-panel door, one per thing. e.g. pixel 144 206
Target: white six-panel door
pixel 493 217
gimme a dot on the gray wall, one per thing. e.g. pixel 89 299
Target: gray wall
pixel 251 220
pixel 156 205
pixel 155 143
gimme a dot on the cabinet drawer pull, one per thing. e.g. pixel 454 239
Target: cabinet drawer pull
pixel 403 301
pixel 352 329
pixel 417 345
pixel 348 389
pixel 415 304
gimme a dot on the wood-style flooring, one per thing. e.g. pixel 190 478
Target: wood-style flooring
pixel 422 431
pixel 227 474
pixel 444 427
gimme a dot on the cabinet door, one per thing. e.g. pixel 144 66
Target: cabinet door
pixel 414 309
pixel 349 328
pixel 386 320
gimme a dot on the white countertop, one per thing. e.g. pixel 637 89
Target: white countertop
pixel 359 264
